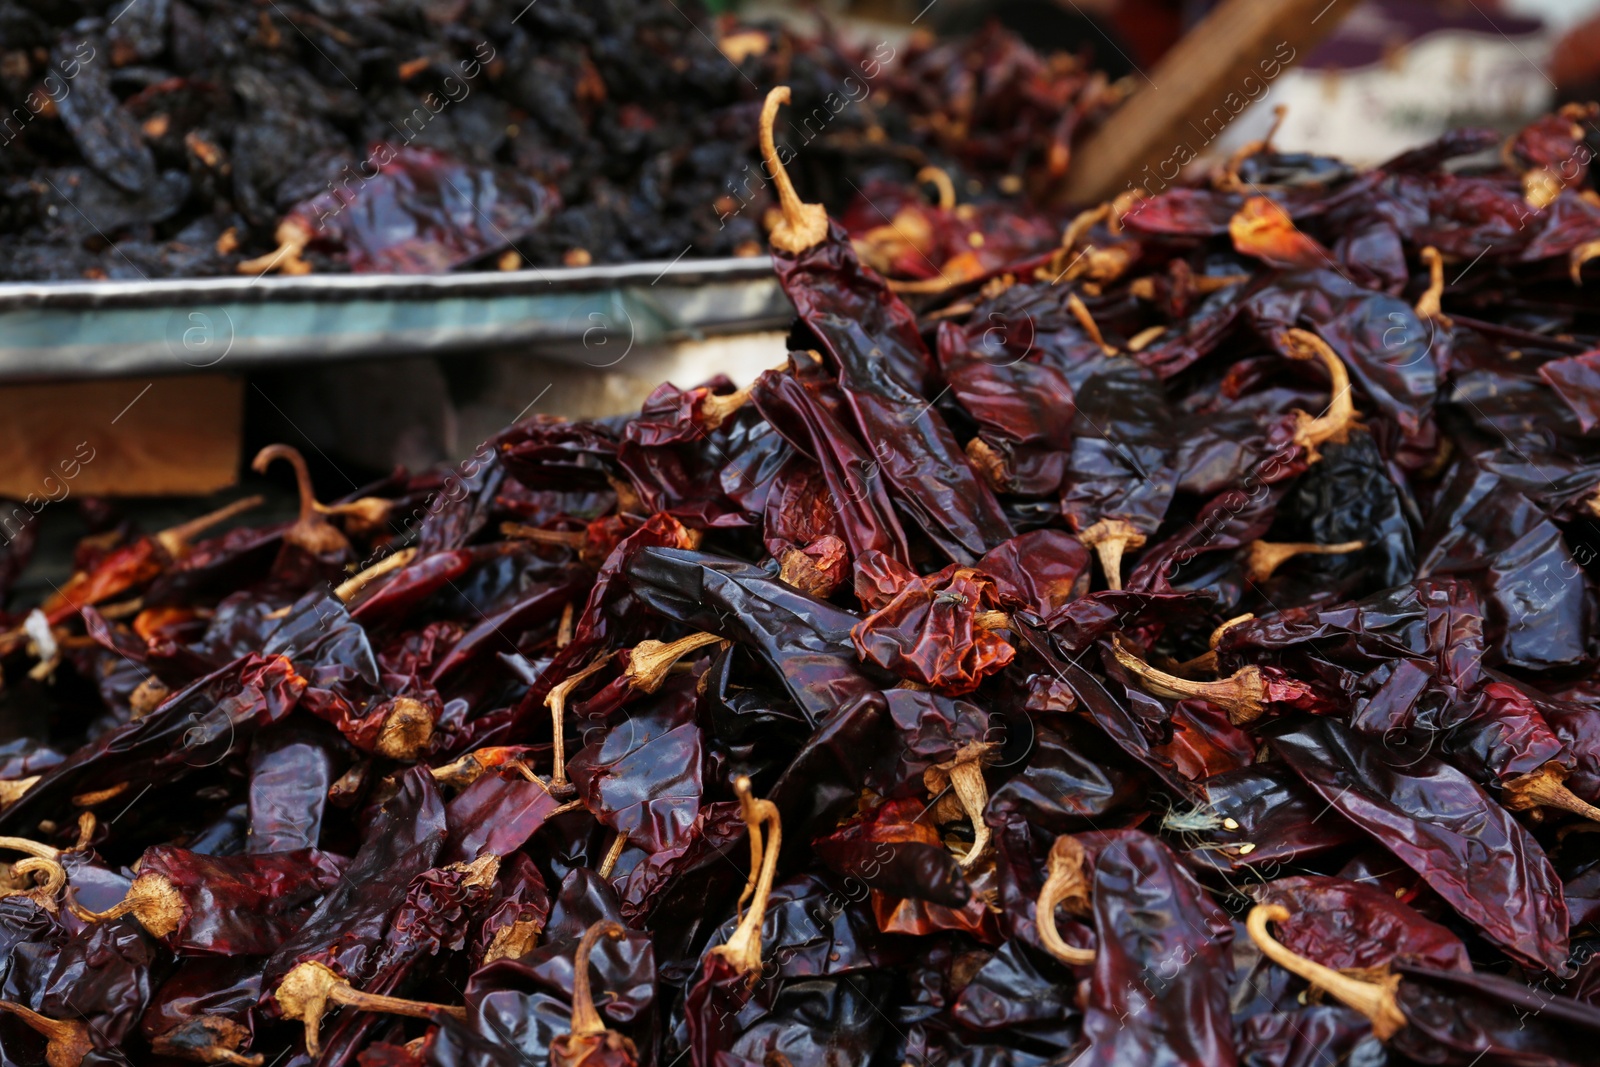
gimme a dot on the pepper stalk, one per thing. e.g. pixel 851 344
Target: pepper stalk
pixel 67 1041
pixel 305 993
pixel 803 225
pixel 1110 538
pixel 1375 999
pixel 1242 694
pixel 742 950
pixel 311 531
pixel 1067 886
pixel 1265 557
pixel 1339 418
pixel 588 1038
pixel 963 775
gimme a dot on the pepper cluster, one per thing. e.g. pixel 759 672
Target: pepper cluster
pixel 205 137
pixel 1179 649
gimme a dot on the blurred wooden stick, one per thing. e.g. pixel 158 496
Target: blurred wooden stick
pixel 1223 65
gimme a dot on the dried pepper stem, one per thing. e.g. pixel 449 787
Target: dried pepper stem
pixel 1265 557
pixel 1080 312
pixel 573 539
pixel 803 225
pixel 556 701
pixel 649 661
pixel 940 180
pixel 1110 538
pixel 1376 999
pixel 1065 884
pixel 306 991
pixel 1339 419
pixel 67 1041
pixel 588 1035
pixel 1229 180
pixel 963 775
pixel 310 531
pixel 567 626
pixel 152 899
pixel 1545 788
pixel 293 236
pixel 716 407
pixel 1242 694
pixel 585 1019
pixel 175 540
pixel 12 791
pixel 613 853
pixel 358 581
pixel 1428 306
pixel 743 948
pixel 1207 661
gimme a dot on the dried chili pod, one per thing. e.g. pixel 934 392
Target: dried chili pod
pixel 884 368
pixel 228 905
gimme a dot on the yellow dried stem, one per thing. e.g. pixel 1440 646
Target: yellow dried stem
pixel 358 581
pixel 43 894
pixel 1110 538
pixel 1142 340
pixel 803 225
pixel 86 824
pixel 152 899
pixel 310 530
pixel 407 730
pixel 1545 788
pixel 649 661
pixel 67 1042
pixel 31 848
pixel 1428 306
pixel 175 540
pixel 516 531
pixel 1229 180
pixel 743 949
pixel 293 236
pixel 1374 999
pixel 1265 557
pixel 306 992
pixel 1579 256
pixel 556 701
pixel 613 853
pixel 364 515
pixel 99 796
pixel 940 180
pixel 716 407
pixel 1080 312
pixel 1065 885
pixel 1242 694
pixel 11 791
pixel 963 775
pixel 567 626
pixel 585 1019
pixel 1339 419
pixel 1082 223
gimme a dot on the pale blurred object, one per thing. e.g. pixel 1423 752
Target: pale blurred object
pixel 1398 73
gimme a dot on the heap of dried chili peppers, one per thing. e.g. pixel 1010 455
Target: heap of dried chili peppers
pixel 177 138
pixel 1177 649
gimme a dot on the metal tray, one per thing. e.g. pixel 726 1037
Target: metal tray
pixel 95 329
